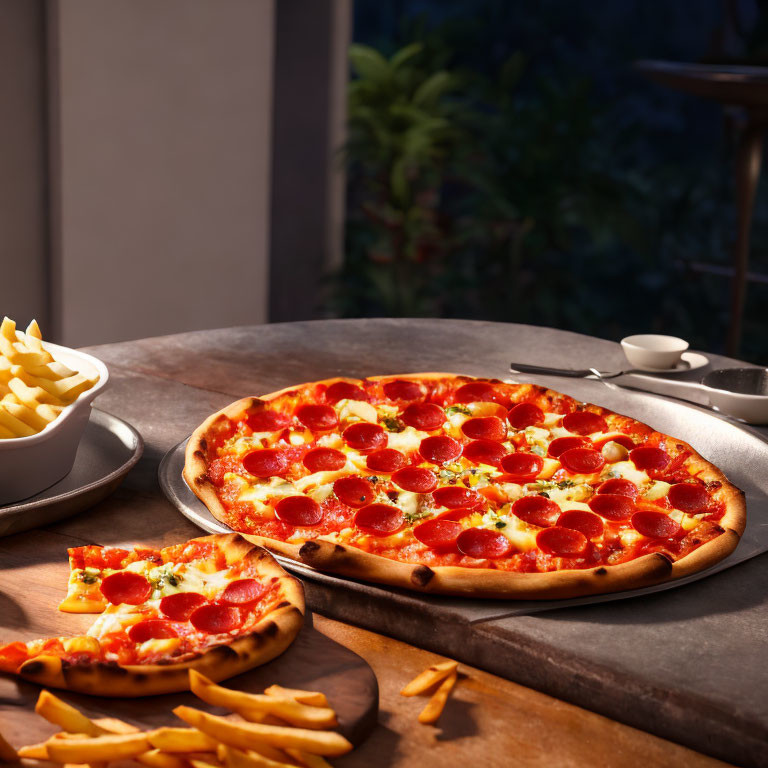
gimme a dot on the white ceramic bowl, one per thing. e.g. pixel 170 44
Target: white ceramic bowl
pixel 651 350
pixel 31 464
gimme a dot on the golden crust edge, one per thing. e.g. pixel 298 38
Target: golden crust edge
pixel 734 520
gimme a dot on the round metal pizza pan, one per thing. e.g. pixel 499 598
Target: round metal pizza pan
pixel 107 451
pixel 740 452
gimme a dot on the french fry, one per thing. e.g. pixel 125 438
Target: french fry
pixel 250 735
pixel 156 758
pixel 112 748
pixel 265 750
pixel 436 704
pixel 236 758
pixel 34 751
pixel 7 752
pixel 429 677
pixel 209 761
pixel 69 719
pixel 313 698
pixel 181 740
pixel 251 706
pixel 309 760
pixel 113 725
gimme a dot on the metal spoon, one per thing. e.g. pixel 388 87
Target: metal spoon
pixel 741 393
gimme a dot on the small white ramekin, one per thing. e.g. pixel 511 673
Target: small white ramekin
pixel 31 464
pixel 651 350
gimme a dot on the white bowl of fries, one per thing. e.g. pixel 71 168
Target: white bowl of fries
pixel 46 393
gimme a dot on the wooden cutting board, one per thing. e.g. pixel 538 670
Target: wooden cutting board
pixel 313 662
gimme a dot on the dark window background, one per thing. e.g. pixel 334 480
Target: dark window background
pixel 540 179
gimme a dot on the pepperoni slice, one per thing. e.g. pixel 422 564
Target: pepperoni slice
pixel 536 510
pixel 440 449
pixel 483 544
pixel 216 619
pixel 400 389
pixel 649 457
pixel 654 525
pixel 354 491
pixel 562 542
pixel 126 587
pixel 584 422
pixel 379 519
pixel 485 428
pixel 688 497
pixel 386 460
pixel 525 415
pixel 455 514
pixel 344 390
pixel 484 452
pixel 299 511
pixel 438 533
pixel 180 605
pixel 523 467
pixel 415 479
pixel 265 420
pixel 318 418
pixel 242 592
pixel 424 416
pixel 151 629
pixel 612 506
pixel 455 496
pixel 587 523
pixel 364 436
pixel 266 462
pixel 562 444
pixel 582 461
pixel 620 487
pixel 324 460
pixel 477 392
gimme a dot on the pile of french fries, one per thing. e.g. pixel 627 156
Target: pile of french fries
pixel 34 387
pixel 280 727
pixel 440 677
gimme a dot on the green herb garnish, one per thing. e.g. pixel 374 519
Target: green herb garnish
pixel 392 424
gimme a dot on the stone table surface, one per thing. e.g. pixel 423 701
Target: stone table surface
pixel 673 663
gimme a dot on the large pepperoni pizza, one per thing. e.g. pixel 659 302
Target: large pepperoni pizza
pixel 443 483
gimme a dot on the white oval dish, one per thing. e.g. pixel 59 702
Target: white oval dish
pixel 28 465
pixel 739 392
pixel 652 350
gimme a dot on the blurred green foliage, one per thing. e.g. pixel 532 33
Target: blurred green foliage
pixel 509 192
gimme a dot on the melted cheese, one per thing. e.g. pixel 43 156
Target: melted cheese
pixel 627 470
pixel 629 536
pixel 356 410
pixel 656 490
pixel 276 487
pixel 406 441
pixel 521 535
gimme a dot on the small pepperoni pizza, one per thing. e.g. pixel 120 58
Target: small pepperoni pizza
pixel 217 604
pixel 443 483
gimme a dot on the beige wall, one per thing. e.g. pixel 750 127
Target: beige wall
pixel 23 218
pixel 159 165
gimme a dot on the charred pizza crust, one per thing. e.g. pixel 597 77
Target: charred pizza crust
pixel 269 638
pixel 328 555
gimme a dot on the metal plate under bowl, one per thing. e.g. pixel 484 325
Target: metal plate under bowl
pixel 739 452
pixel 107 451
